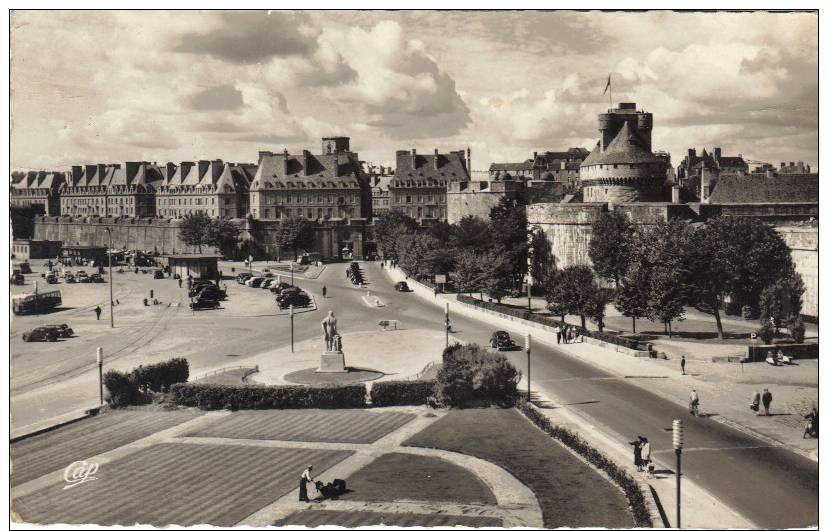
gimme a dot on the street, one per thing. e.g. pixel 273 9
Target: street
pixel 769 485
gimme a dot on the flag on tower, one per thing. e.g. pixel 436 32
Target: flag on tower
pixel 609 83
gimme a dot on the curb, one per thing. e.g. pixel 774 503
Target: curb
pixel 65 420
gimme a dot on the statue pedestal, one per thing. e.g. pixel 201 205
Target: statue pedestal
pixel 332 361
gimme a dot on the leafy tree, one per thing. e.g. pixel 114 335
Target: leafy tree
pixel 496 275
pixel 631 296
pixel 572 291
pixel 468 273
pixel 441 230
pixel 782 300
pixel 421 255
pixel 471 233
pixel 664 248
pixel 540 257
pixel 389 228
pixel 224 235
pixel 596 307
pixel 797 329
pixel 195 230
pixel 294 233
pixel 610 246
pixel 510 237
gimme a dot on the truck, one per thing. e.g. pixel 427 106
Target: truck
pixel 36 302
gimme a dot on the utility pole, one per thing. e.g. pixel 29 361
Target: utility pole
pixel 111 298
pixel 529 367
pixel 100 372
pixel 291 328
pixel 291 274
pixel 678 443
pixel 448 324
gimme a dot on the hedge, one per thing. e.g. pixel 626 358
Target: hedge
pixel 221 396
pixel 632 489
pixel 549 321
pixel 471 375
pixel 134 387
pixel 401 393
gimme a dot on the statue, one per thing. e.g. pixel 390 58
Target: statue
pixel 329 329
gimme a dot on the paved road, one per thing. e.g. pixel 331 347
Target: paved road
pixel 770 486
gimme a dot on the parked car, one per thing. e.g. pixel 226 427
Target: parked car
pixel 210 291
pixel 24 267
pixel 297 298
pixel 241 278
pixel 51 278
pixel 62 330
pixel 82 276
pixel 69 277
pixel 96 278
pixel 255 282
pixel 157 274
pixel 267 283
pixel 41 333
pixel 277 288
pixel 501 340
pixel 402 286
pixel 18 279
pixel 204 303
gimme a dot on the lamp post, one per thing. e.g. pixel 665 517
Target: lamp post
pixel 291 274
pixel 529 366
pixel 100 372
pixel 111 298
pixel 448 324
pixel 678 442
pixel 291 328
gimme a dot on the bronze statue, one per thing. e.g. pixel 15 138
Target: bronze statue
pixel 329 329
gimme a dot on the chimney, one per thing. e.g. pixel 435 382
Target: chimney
pixel 717 153
pixel 203 166
pixel 468 160
pixel 263 154
pixel 382 170
pixel 535 155
pixel 436 160
pixel 783 164
pixel 336 165
pixel 306 161
pixel 705 187
pixel 413 159
pixel 676 194
pixel 285 161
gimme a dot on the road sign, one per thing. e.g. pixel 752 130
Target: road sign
pixel 439 279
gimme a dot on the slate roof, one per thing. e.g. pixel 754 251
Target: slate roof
pixel 782 188
pixel 626 148
pixel 39 179
pixel 450 167
pixel 209 173
pixel 273 173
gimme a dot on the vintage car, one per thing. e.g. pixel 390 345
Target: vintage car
pixel 41 333
pixel 501 340
pixel 402 286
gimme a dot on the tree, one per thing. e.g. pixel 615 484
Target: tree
pixel 596 307
pixel 631 295
pixel 468 273
pixel 224 235
pixel 496 275
pixel 389 228
pixel 440 230
pixel 611 245
pixel 663 253
pixel 293 233
pixel 540 257
pixel 782 300
pixel 421 255
pixel 471 233
pixel 195 230
pixel 572 291
pixel 510 237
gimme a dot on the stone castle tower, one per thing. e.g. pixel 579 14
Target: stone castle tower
pixel 622 168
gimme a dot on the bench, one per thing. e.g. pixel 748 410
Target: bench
pixel 388 324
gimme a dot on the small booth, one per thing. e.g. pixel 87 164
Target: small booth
pixel 91 255
pixel 35 249
pixel 204 266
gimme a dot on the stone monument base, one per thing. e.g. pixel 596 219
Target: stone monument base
pixel 332 361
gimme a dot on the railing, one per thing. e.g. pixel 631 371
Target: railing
pixel 253 369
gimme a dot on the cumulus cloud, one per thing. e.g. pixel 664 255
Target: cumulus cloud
pixel 219 98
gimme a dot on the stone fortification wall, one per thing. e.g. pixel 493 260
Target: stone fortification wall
pixel 769 212
pixel 568 227
pixel 476 198
pixel 803 242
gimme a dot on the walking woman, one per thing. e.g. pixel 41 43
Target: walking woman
pixel 636 444
pixel 645 456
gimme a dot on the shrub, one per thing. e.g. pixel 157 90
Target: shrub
pixel 632 490
pixel 766 333
pixel 158 377
pixel 122 389
pixel 750 312
pixel 219 396
pixel 401 393
pixel 732 308
pixel 470 374
pixel 797 329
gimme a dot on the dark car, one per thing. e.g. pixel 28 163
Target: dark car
pixel 243 277
pixel 278 288
pixel 96 278
pixel 501 340
pixel 402 286
pixel 62 330
pixel 157 274
pixel 18 279
pixel 256 282
pixel 210 291
pixel 297 299
pixel 82 276
pixel 204 303
pixel 41 333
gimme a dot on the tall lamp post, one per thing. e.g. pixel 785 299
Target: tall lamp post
pixel 111 298
pixel 448 324
pixel 291 274
pixel 529 367
pixel 678 443
pixel 291 328
pixel 99 356
pixel 529 272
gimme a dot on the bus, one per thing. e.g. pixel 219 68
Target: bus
pixel 36 302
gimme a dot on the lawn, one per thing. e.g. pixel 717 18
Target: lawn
pixel 56 449
pixel 310 425
pixel 231 377
pixel 570 493
pixel 182 484
pixel 400 476
pixel 364 518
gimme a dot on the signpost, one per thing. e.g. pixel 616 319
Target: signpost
pixel 448 324
pixel 441 281
pixel 678 443
pixel 291 328
pixel 529 367
pixel 100 372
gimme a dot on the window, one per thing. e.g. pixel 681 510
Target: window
pixel 408 199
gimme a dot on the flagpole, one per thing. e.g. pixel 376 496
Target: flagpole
pixel 610 89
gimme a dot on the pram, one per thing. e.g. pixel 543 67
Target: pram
pixel 332 490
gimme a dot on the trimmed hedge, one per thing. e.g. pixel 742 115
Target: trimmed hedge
pixel 401 393
pixel 549 321
pixel 632 489
pixel 122 389
pixel 134 387
pixel 220 396
pixel 471 375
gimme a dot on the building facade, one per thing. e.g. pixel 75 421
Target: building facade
pixel 420 182
pixel 111 190
pixel 212 187
pixel 559 166
pixel 328 186
pixel 39 190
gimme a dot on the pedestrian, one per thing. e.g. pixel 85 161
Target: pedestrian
pixel 812 427
pixel 754 403
pixel 694 403
pixel 767 398
pixel 683 362
pixel 324 291
pixel 179 282
pixel 304 479
pixel 646 452
pixel 558 333
pixel 571 334
pixel 98 312
pixel 636 444
pixel 152 294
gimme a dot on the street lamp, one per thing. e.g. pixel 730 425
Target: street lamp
pixel 529 366
pixel 448 324
pixel 111 301
pixel 291 274
pixel 100 372
pixel 291 328
pixel 678 442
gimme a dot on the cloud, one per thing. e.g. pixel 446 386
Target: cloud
pixel 246 37
pixel 219 98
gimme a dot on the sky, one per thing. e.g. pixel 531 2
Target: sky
pixel 111 86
